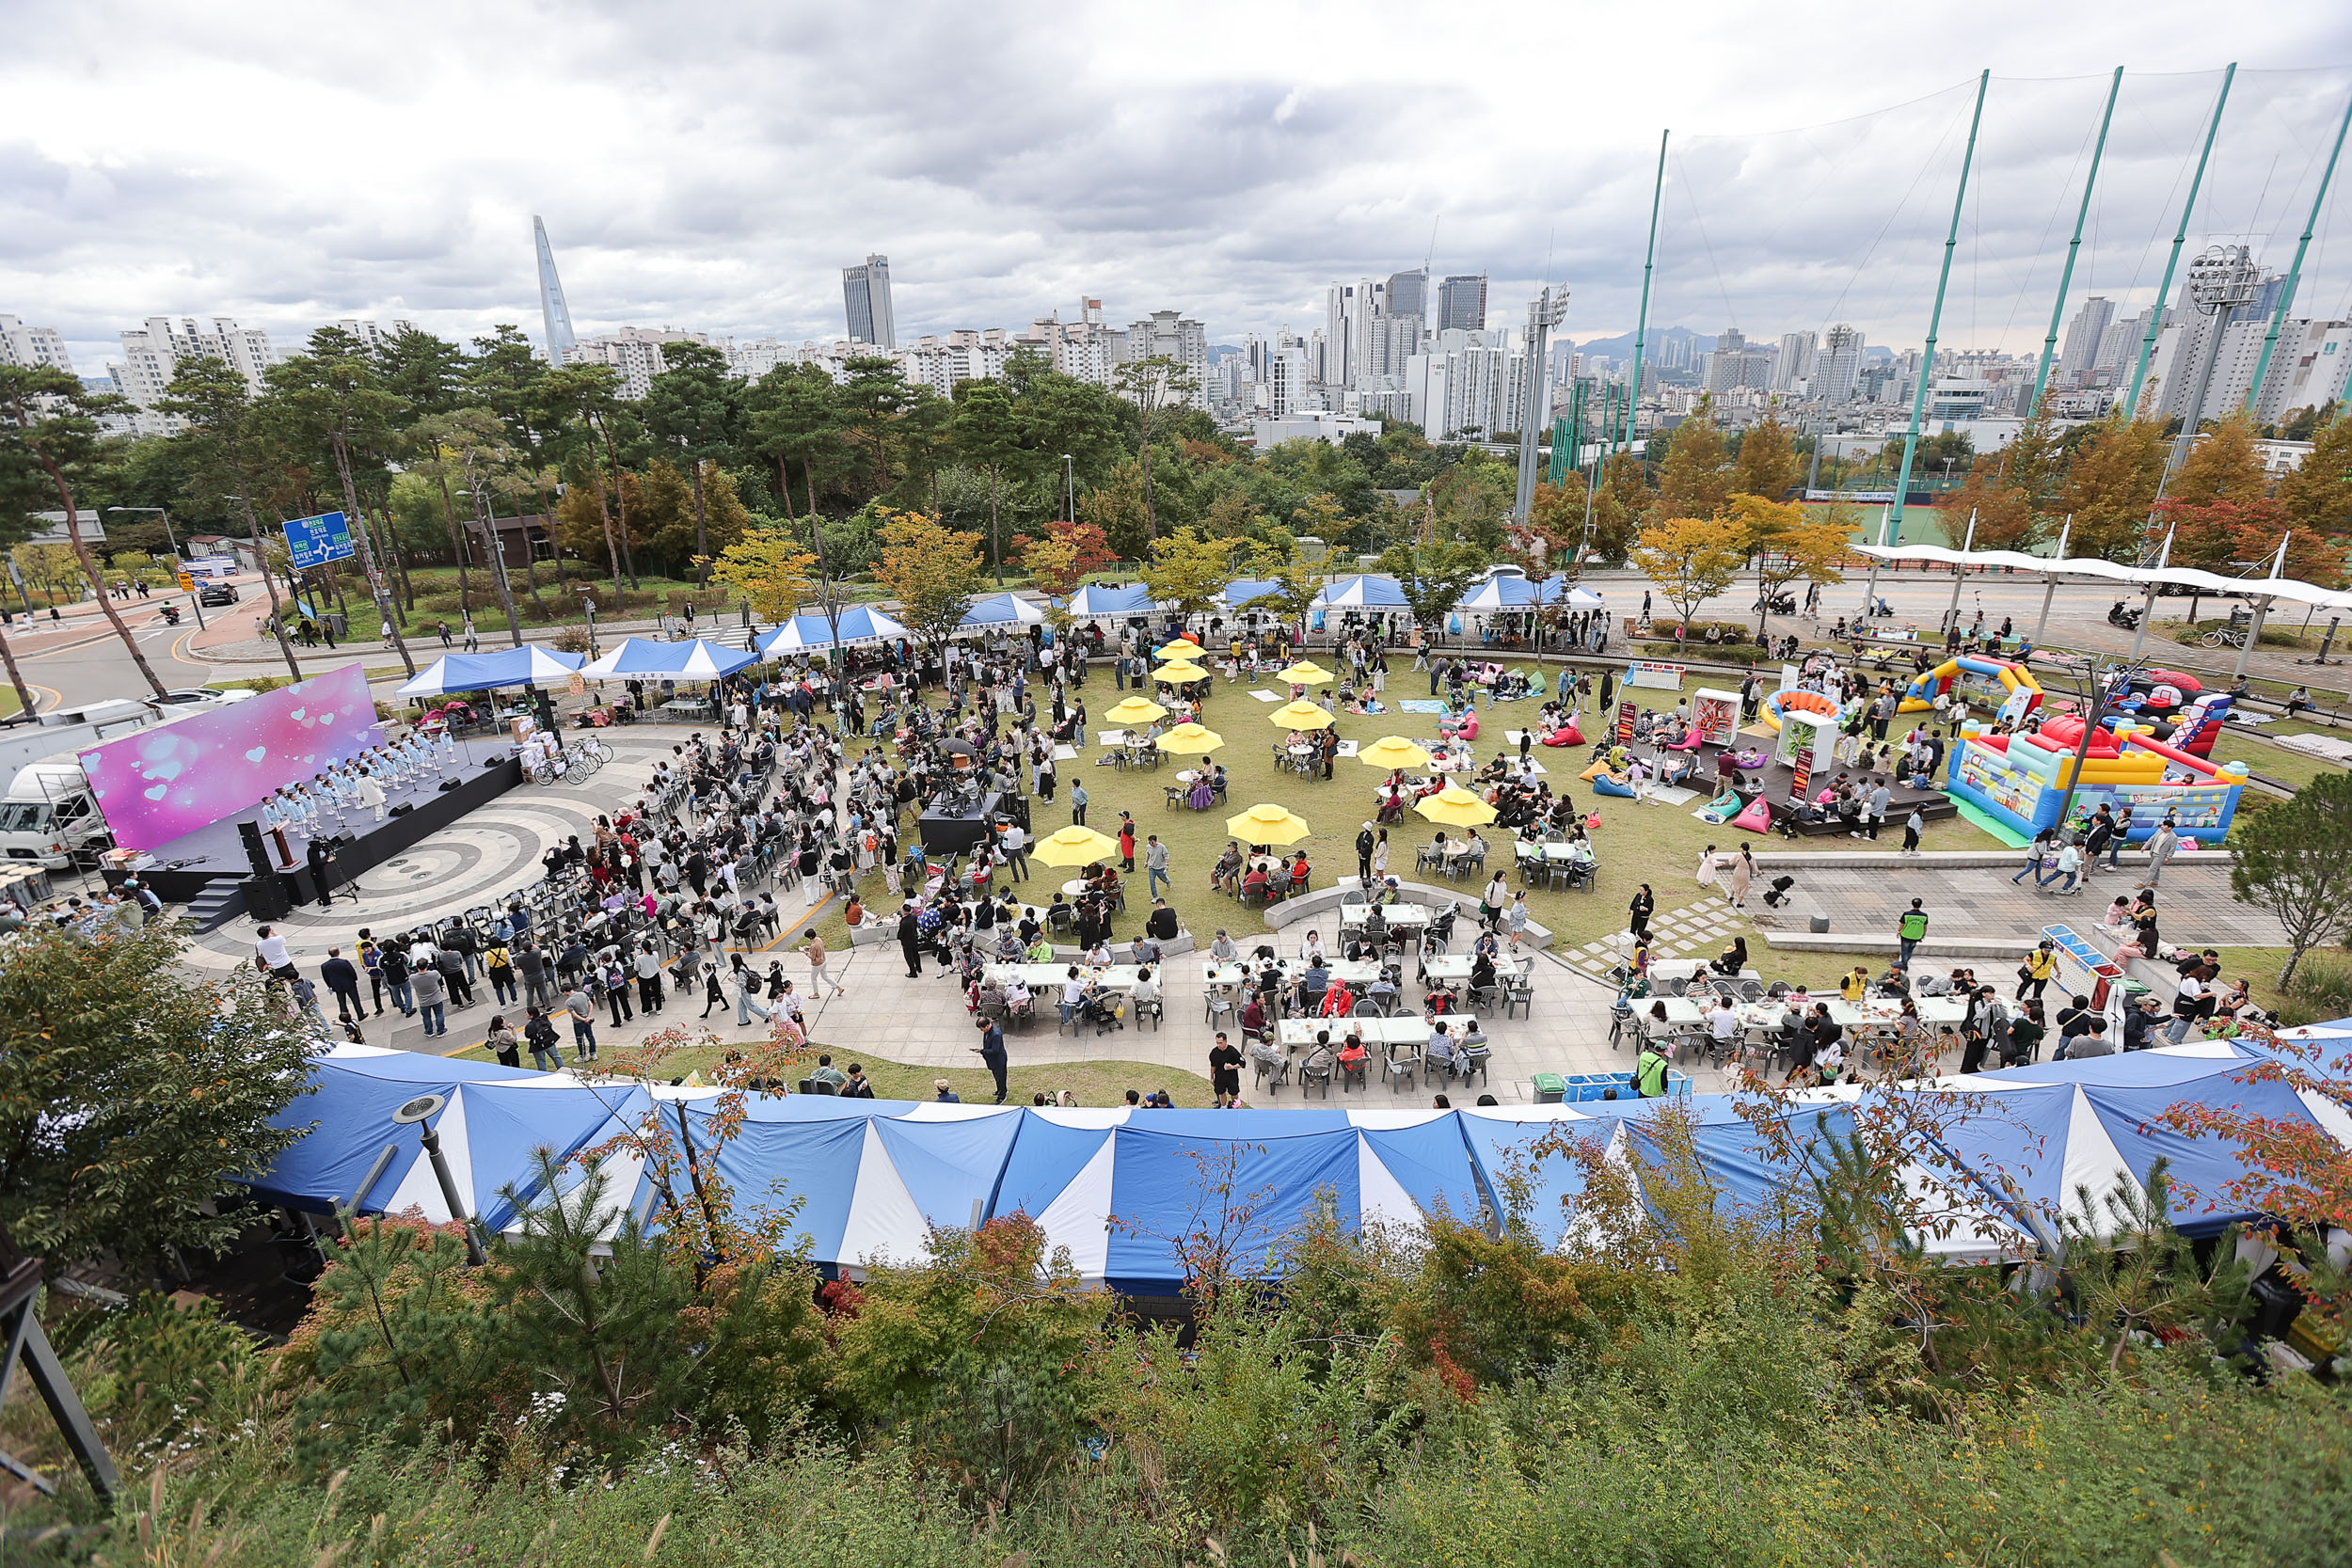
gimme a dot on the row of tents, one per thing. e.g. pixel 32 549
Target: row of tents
pixel 867 1181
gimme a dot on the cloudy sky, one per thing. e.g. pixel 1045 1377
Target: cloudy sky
pixel 704 166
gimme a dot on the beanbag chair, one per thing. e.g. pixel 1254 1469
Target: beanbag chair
pixel 1535 684
pixel 1687 743
pixel 1609 784
pixel 1592 822
pixel 1596 770
pixel 1757 819
pixel 1466 727
pixel 1567 735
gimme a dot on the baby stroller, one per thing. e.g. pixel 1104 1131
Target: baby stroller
pixel 1777 894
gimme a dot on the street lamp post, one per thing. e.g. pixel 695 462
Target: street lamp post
pixel 196 599
pixel 1070 487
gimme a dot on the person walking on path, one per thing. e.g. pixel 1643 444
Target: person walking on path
pixel 341 976
pixel 1014 841
pixel 2160 849
pixel 1911 930
pixel 911 942
pixel 1912 824
pixel 582 1007
pixel 1078 807
pixel 1742 874
pixel 1126 843
pixel 991 1051
pixel 432 1000
pixel 1638 912
pixel 1156 865
pixel 820 969
pixel 2036 972
pixel 2044 841
pixel 1224 1072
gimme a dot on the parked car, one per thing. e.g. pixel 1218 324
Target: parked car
pixel 217 593
pixel 181 699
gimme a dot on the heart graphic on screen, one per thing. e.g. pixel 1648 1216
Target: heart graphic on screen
pixel 257 753
pixel 158 792
pixel 327 718
pixel 295 714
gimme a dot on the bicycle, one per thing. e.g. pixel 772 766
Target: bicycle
pixel 2221 639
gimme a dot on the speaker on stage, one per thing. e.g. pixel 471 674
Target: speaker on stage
pixel 402 809
pixel 448 784
pixel 256 853
pixel 265 898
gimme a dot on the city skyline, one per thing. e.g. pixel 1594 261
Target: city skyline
pixel 1231 191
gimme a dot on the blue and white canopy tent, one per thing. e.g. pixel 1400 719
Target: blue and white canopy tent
pixel 1557 589
pixel 529 665
pixel 1093 600
pixel 700 659
pixel 1234 595
pixel 1501 590
pixel 872 1179
pixel 1001 611
pixel 807 632
pixel 1366 591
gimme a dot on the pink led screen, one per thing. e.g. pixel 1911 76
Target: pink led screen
pixel 168 780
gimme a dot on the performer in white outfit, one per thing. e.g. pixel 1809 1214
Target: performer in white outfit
pixel 371 794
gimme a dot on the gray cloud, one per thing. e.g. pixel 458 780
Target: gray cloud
pixel 705 168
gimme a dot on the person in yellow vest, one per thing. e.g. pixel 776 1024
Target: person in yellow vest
pixel 1649 1073
pixel 2039 968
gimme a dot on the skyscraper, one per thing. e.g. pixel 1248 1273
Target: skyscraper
pixel 1409 293
pixel 1462 303
pixel 865 292
pixel 556 315
pixel 2083 336
pixel 1796 360
pixel 1838 365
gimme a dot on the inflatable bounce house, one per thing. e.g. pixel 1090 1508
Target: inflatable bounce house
pixel 2005 686
pixel 2019 780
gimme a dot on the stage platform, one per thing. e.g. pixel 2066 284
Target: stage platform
pixel 1774 780
pixel 203 870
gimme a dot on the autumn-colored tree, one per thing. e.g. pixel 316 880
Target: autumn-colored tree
pixel 1233 515
pixel 1690 559
pixel 1618 506
pixel 665 520
pixel 2218 535
pixel 931 569
pixel 768 567
pixel 1553 532
pixel 2222 466
pixel 1187 571
pixel 1061 559
pixel 1767 464
pixel 2318 495
pixel 1790 544
pixel 1116 507
pixel 1694 480
pixel 2110 486
pixel 1990 511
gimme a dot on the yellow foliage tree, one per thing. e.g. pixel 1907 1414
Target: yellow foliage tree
pixel 1790 542
pixel 767 567
pixel 1690 559
pixel 933 570
pixel 2112 486
pixel 1186 571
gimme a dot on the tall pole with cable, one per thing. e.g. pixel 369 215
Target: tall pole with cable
pixel 2073 246
pixel 1641 321
pixel 2180 237
pixel 2294 273
pixel 1936 317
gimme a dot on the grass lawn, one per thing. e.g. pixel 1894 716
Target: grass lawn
pixel 1104 1083
pixel 9 702
pixel 1658 844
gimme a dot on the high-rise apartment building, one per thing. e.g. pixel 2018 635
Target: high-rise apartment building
pixel 1462 304
pixel 2308 368
pixel 1796 361
pixel 1181 339
pixel 1837 368
pixel 2079 358
pixel 633 351
pixel 26 345
pixel 375 338
pixel 1735 362
pixel 865 294
pixel 2218 322
pixel 152 353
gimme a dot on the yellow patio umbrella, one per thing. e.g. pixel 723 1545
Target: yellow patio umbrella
pixel 1457 807
pixel 1267 823
pixel 1393 751
pixel 1135 710
pixel 1183 647
pixel 1181 672
pixel 1299 716
pixel 1191 740
pixel 1305 672
pixel 1074 846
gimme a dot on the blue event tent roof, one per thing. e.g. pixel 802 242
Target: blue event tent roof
pixel 1000 610
pixel 698 659
pixel 1095 599
pixel 529 665
pixel 1362 593
pixel 808 632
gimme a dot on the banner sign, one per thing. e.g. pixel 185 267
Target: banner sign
pixel 1625 724
pixel 1645 672
pixel 317 540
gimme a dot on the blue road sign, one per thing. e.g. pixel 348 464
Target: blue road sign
pixel 317 540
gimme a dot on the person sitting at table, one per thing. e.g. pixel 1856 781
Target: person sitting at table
pixel 1223 950
pixel 1338 1000
pixel 1226 875
pixel 1855 985
pixel 1732 960
pixel 1059 912
pixel 1009 948
pixel 1382 992
pixel 1354 1057
pixel 1439 1052
pixel 1321 1061
pixel 1257 883
pixel 1100 955
pixel 1481 972
pixel 1201 796
pixel 1314 981
pixel 1253 1019
pixel 1299 870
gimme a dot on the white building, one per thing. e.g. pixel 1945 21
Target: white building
pixel 1181 339
pixel 633 351
pixel 152 353
pixel 2084 336
pixel 964 355
pixel 1837 368
pixel 376 339
pixel 2309 367
pixel 1334 428
pixel 26 345
pixel 1467 381
pixel 1796 361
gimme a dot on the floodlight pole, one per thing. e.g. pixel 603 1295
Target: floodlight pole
pixel 1936 318
pixel 2066 274
pixel 2294 273
pixel 1641 321
pixel 2049 586
pixel 2180 237
pixel 1960 573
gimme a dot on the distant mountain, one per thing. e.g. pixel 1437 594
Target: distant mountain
pixel 1621 347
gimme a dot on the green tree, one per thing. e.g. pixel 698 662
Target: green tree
pixel 872 403
pixel 697 408
pixel 424 372
pixel 1690 559
pixel 1433 576
pixel 991 432
pixel 228 454
pixel 1619 503
pixel 2293 860
pixel 49 426
pixel 1152 384
pixel 1117 506
pixel 2317 497
pixel 796 422
pixel 135 1098
pixel 1296 580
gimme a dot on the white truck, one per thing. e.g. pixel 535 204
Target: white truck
pixel 49 812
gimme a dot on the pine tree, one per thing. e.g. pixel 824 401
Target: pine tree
pixel 1695 478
